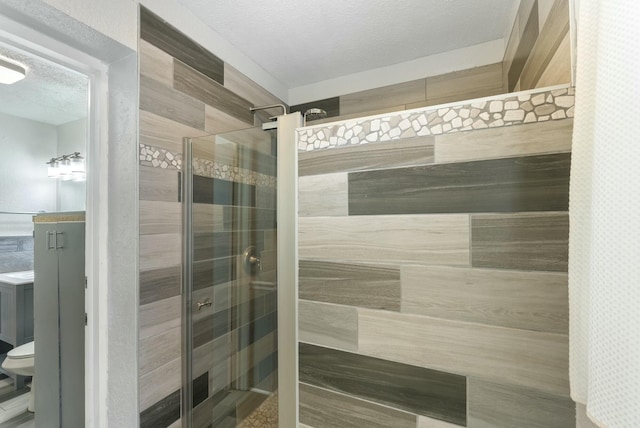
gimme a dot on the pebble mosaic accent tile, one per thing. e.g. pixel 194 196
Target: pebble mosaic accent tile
pixel 165 159
pixel 265 416
pixel 488 113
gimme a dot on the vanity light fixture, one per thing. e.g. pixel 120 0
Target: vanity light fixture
pixel 10 73
pixel 67 167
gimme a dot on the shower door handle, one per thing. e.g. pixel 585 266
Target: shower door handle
pixel 204 303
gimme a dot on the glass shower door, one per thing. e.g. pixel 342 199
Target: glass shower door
pixel 230 280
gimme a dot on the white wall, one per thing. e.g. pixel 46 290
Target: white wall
pixel 72 137
pixel 26 146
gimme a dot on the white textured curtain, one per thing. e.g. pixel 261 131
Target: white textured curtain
pixel 604 241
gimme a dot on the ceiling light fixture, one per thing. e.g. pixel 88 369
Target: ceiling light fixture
pixel 10 73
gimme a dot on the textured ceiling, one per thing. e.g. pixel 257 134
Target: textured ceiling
pixel 302 42
pixel 49 93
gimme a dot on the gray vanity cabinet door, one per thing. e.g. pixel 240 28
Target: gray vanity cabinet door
pixel 71 276
pixel 46 332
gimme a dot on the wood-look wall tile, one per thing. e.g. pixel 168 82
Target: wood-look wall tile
pixel 208 218
pixel 208 273
pixel 242 362
pixel 160 383
pixel 158 217
pixel 323 195
pixel 330 105
pixel 357 115
pixel 210 356
pixel 240 84
pixel 158 131
pixel 386 96
pixel 163 413
pixel 559 69
pixel 216 191
pixel 414 389
pixel 519 140
pixel 431 239
pixel 368 286
pixel 528 300
pixel 531 183
pixel 218 122
pixel 165 101
pixel 522 357
pixel 466 84
pixel 159 316
pixel 247 218
pixel 156 31
pixel 197 85
pixel 425 422
pixel 155 63
pixel 159 284
pixel 582 420
pixel 528 39
pixel 156 351
pixel 399 153
pixel 520 241
pixel 328 325
pixel 157 184
pixel 320 408
pixel 553 32
pixel 200 389
pixel 493 405
pixel 160 251
pixel 510 52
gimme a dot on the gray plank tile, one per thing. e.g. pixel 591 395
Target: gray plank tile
pixel 328 325
pixel 325 409
pixel 425 422
pixel 493 405
pixel 159 284
pixel 156 31
pixel 520 241
pixel 323 195
pixel 367 286
pixel 243 86
pixel 160 251
pixel 163 413
pixel 360 115
pixel 156 385
pixel 519 140
pixel 465 84
pixel 392 95
pixel 218 122
pixel 431 239
pixel 528 300
pixel 531 183
pixel 399 153
pixel 414 389
pixel 521 357
pixel 528 39
pixel 165 101
pixel 199 86
pixel 159 316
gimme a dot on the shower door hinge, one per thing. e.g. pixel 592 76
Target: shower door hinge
pixel 85 319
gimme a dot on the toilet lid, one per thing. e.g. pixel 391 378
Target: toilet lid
pixel 22 351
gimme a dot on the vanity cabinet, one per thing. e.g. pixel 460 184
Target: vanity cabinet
pixel 16 313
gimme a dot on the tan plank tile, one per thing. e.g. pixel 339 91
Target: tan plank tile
pixel 360 114
pixel 431 239
pixel 218 122
pixel 559 69
pixel 519 140
pixel 425 422
pixel 240 84
pixel 323 195
pixel 163 100
pixel 527 300
pixel 157 317
pixel 465 84
pixel 159 383
pixel 521 357
pixel 157 184
pixel 329 325
pixel 158 251
pixel 553 33
pixel 158 217
pixel 165 133
pixel 493 405
pixel 156 351
pixel 387 96
pixel 155 63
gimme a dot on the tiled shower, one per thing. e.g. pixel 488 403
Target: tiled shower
pixel 432 261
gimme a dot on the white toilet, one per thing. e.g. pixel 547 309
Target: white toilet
pixel 21 361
